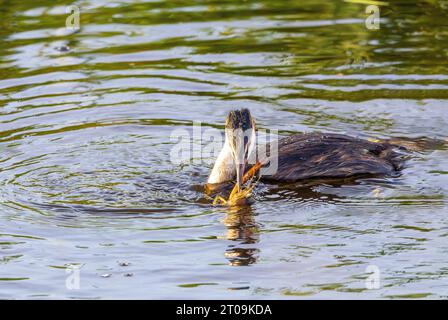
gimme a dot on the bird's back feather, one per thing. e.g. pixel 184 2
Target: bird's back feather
pixel 316 155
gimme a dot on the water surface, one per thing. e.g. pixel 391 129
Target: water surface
pixel 86 179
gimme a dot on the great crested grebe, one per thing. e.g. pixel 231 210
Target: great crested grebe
pixel 303 156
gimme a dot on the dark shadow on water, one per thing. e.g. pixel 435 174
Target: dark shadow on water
pixel 244 232
pixel 74 211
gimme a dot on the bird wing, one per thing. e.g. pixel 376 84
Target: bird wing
pixel 308 156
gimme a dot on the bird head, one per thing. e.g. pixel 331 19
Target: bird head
pixel 240 136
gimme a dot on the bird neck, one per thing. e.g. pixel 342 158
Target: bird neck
pixel 224 168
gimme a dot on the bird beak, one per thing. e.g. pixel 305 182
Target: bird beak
pixel 241 160
pixel 240 174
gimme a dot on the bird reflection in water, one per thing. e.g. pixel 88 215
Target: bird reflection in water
pixel 243 231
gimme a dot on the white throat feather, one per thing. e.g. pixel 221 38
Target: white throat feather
pixel 224 169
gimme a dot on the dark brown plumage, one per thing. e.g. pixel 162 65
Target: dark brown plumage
pixel 334 156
